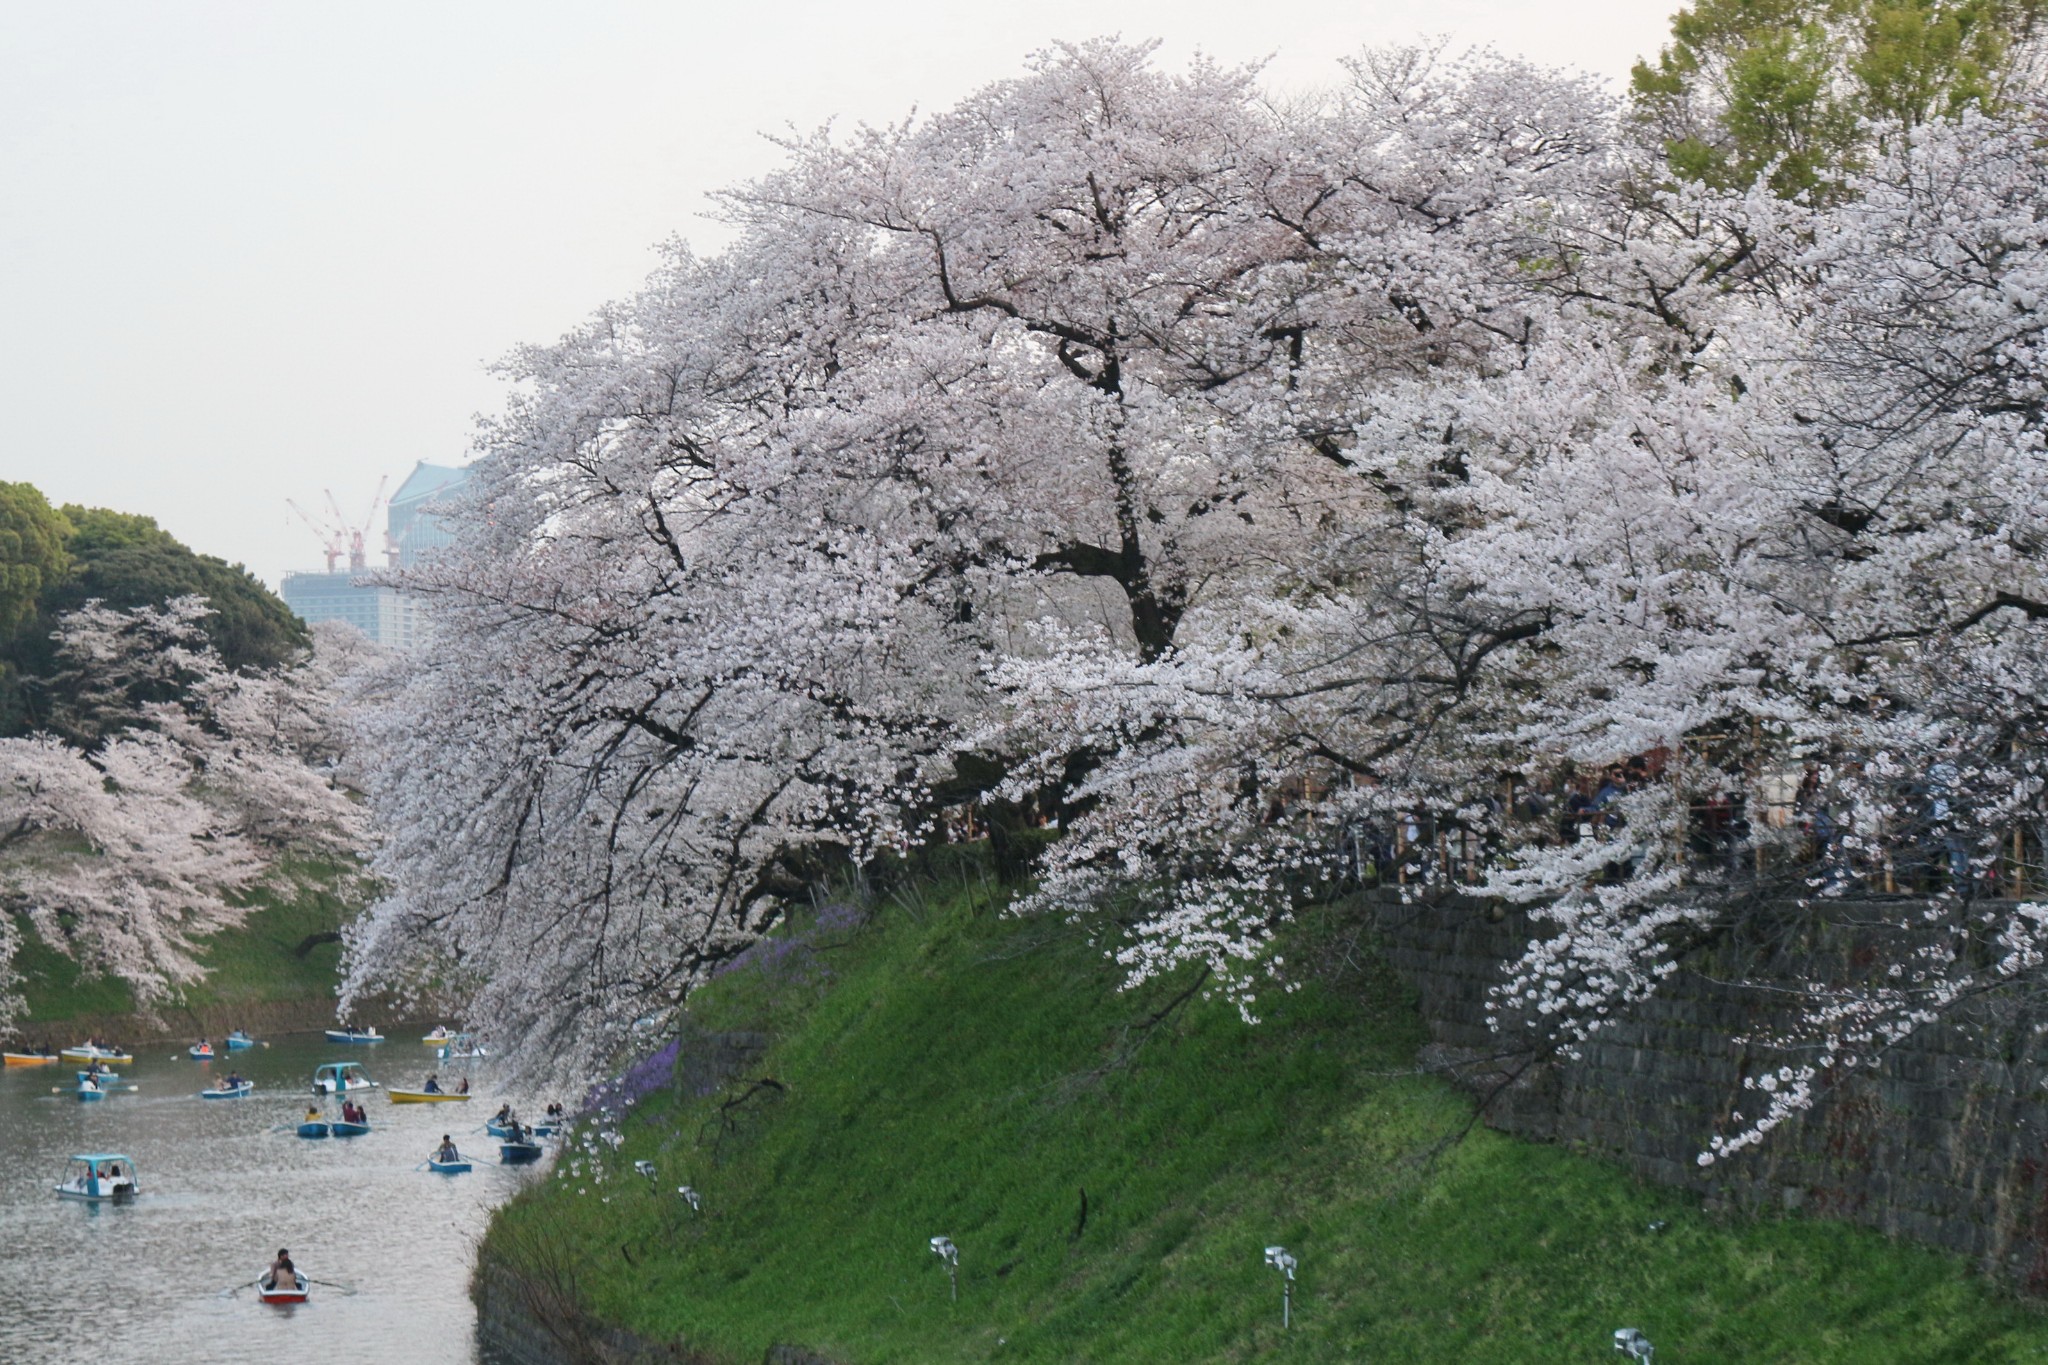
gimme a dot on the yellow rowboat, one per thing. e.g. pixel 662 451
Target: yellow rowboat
pixel 425 1097
pixel 438 1037
pixel 89 1053
pixel 28 1058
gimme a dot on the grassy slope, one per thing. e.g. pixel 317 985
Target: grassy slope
pixel 253 963
pixel 946 1074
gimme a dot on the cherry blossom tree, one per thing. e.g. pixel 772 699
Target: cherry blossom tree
pixel 177 788
pixel 1244 483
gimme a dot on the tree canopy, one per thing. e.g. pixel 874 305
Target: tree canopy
pixel 1259 490
pixel 125 561
pixel 33 556
pixel 1796 90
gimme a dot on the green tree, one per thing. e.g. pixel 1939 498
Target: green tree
pixel 1785 87
pixel 128 561
pixel 32 552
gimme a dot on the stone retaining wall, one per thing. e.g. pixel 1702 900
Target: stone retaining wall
pixel 1946 1142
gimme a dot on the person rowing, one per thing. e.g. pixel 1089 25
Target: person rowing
pixel 234 1081
pixel 281 1271
pixel 433 1085
pixel 504 1114
pixel 313 1114
pixel 446 1151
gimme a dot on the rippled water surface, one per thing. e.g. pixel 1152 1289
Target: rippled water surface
pixel 222 1192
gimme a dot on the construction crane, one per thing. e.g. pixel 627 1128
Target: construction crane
pixel 338 537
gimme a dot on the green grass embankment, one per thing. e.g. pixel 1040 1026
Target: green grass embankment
pixel 256 964
pixel 943 1070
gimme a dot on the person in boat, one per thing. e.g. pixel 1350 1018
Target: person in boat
pixel 433 1085
pixel 351 1111
pixel 205 1046
pixel 446 1151
pixel 504 1114
pixel 554 1109
pixel 463 1089
pixel 116 1176
pixel 91 1081
pixel 281 1271
pixel 312 1113
pixel 233 1082
pixel 93 1068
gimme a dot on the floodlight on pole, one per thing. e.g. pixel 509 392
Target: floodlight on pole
pixel 943 1248
pixel 1631 1342
pixel 1283 1261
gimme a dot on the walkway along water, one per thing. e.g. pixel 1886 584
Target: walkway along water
pixel 143 1282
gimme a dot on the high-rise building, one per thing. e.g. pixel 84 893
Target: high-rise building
pixel 414 529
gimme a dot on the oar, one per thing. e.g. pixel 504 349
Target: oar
pixel 330 1284
pixel 104 1090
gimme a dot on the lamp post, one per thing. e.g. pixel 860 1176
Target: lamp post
pixel 943 1248
pixel 1631 1342
pixel 1283 1261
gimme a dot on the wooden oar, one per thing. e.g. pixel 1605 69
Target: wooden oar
pixel 104 1090
pixel 330 1284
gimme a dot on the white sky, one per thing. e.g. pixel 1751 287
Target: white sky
pixel 250 252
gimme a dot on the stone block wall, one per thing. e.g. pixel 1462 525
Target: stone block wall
pixel 1946 1142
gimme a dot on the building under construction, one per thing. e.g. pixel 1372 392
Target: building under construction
pixel 413 528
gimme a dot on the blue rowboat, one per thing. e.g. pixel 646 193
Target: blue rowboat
pixel 518 1153
pixel 228 1092
pixel 89 1091
pixel 449 1167
pixel 343 1128
pixel 335 1078
pixel 104 1077
pixel 239 1040
pixel 199 1054
pixel 497 1129
pixel 100 1175
pixel 313 1130
pixel 354 1035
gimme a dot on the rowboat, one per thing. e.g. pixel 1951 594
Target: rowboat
pixel 333 1078
pixel 448 1167
pixel 517 1153
pixel 228 1092
pixel 425 1097
pixel 239 1040
pixel 461 1045
pixel 504 1130
pixel 29 1058
pixel 344 1128
pixel 311 1129
pixel 354 1035
pixel 282 1293
pixel 88 1091
pixel 199 1052
pixel 86 1052
pixel 440 1035
pixel 103 1077
pixel 100 1175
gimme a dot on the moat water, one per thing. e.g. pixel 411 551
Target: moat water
pixel 166 1278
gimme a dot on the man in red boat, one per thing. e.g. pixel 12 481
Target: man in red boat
pixel 281 1272
pixel 351 1112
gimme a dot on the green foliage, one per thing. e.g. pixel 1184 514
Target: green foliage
pixel 32 554
pixel 129 561
pixel 1749 87
pixel 949 1071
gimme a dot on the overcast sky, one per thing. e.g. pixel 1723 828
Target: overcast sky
pixel 251 252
